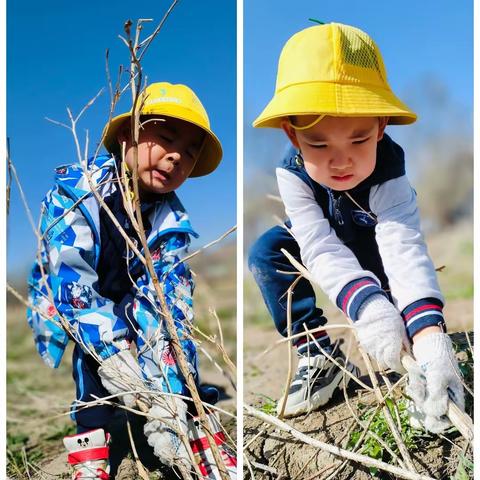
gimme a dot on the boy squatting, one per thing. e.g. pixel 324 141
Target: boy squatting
pixel 353 222
pixel 89 271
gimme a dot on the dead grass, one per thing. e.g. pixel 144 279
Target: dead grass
pixel 37 396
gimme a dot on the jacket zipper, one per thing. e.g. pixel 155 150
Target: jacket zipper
pixel 335 202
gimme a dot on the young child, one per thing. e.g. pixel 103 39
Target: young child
pixel 353 222
pixel 106 296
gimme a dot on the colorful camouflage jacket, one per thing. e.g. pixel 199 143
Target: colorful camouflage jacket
pixel 66 267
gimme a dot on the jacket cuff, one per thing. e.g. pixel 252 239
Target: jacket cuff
pixel 354 293
pixel 427 312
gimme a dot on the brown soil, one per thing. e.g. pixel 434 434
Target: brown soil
pixel 38 397
pixel 277 455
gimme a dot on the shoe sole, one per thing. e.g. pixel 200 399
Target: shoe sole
pixel 318 399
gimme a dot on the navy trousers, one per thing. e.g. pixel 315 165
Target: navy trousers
pixel 265 258
pixel 88 386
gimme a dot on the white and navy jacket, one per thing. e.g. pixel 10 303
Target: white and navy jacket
pixel 353 255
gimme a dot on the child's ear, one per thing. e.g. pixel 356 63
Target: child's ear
pixel 123 134
pixel 290 132
pixel 382 124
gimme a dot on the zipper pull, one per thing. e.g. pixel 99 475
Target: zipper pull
pixel 338 213
pixel 333 207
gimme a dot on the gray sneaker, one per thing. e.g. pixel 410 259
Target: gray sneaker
pixel 315 382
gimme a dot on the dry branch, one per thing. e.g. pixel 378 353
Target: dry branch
pixel 290 346
pixel 138 99
pixel 337 451
pixel 458 418
pixel 136 53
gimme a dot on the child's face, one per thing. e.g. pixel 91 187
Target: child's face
pixel 168 149
pixel 338 152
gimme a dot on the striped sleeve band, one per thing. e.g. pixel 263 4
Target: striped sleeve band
pixel 423 313
pixel 354 293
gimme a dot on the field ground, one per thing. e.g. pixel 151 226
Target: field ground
pixel 277 455
pixel 38 397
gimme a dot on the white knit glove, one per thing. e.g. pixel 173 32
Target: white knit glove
pixel 121 373
pixel 381 332
pixel 437 378
pixel 165 418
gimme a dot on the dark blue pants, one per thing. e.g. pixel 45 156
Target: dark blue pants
pixel 88 383
pixel 265 258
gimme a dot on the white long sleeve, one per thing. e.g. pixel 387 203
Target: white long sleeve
pixel 332 264
pixel 405 258
pixel 408 267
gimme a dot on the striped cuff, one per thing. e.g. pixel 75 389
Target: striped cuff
pixel 354 293
pixel 423 313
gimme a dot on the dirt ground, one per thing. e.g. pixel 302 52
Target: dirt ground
pixel 276 455
pixel 36 421
pixel 39 397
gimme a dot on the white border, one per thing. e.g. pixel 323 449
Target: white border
pixel 240 261
pixel 476 236
pixel 3 234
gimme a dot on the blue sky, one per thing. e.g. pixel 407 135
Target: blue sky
pixel 56 58
pixel 427 47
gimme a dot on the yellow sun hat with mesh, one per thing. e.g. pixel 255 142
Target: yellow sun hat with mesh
pixel 177 101
pixel 334 70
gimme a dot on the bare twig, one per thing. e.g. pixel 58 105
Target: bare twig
pixel 147 42
pixel 141 469
pixel 136 71
pixel 290 347
pixel 460 419
pixel 208 245
pixel 13 173
pixel 298 335
pixel 388 418
pixel 337 451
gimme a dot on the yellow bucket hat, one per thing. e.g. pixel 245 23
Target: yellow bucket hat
pixel 335 70
pixel 177 101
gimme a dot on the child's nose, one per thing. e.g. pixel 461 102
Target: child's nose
pixel 174 158
pixel 340 160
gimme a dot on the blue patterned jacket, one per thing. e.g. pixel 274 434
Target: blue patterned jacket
pixel 65 272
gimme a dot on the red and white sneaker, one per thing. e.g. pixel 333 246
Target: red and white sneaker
pixel 88 454
pixel 203 453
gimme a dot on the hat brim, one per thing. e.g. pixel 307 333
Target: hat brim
pixel 210 155
pixel 336 100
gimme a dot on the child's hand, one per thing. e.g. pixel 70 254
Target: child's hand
pixel 121 373
pixel 437 377
pixel 381 332
pixel 166 418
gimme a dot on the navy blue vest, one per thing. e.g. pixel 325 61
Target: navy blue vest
pixel 353 226
pixel 114 281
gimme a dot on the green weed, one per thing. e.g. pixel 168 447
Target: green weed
pixel 464 470
pixel 269 405
pixel 379 426
pixel 18 453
